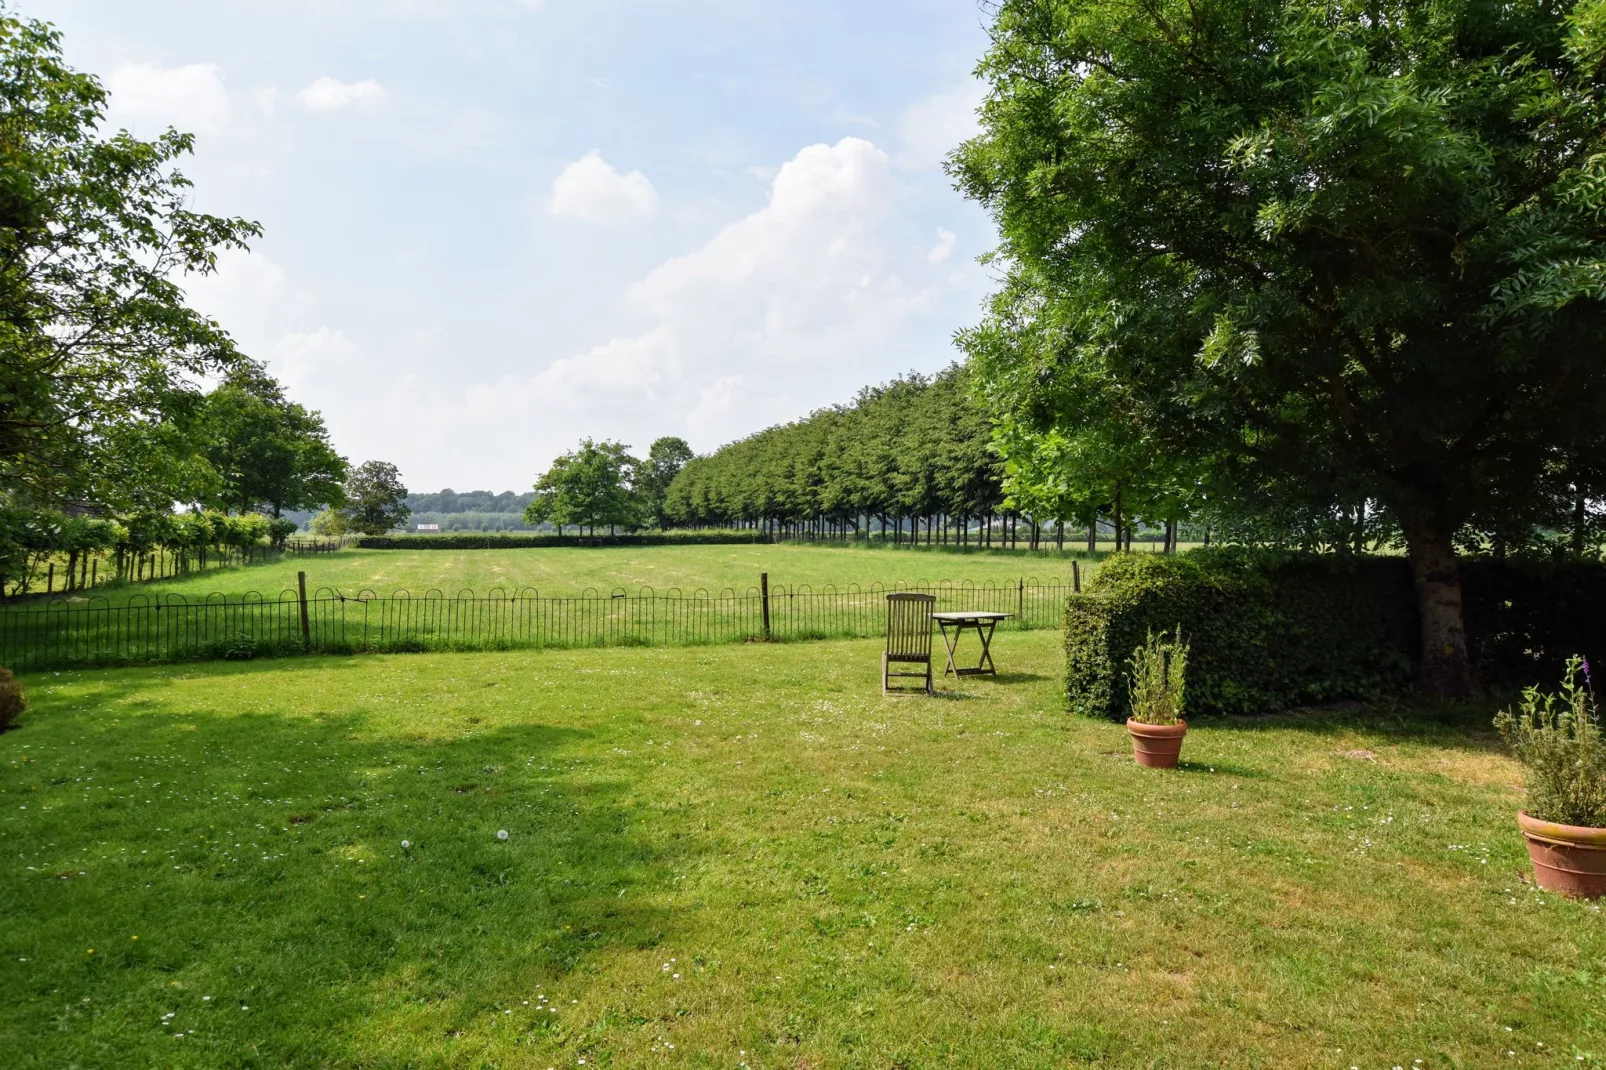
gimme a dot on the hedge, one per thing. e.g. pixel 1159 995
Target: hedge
pixel 521 541
pixel 1274 631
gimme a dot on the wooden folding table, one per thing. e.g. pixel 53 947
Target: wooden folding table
pixel 954 625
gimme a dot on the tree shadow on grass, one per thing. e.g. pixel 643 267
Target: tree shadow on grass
pixel 258 857
pixel 1465 726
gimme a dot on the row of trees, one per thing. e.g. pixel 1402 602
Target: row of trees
pixel 913 453
pixel 57 551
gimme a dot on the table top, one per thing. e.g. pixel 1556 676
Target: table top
pixel 967 616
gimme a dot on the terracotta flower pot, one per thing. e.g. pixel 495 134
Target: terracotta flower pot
pixel 1156 746
pixel 1570 859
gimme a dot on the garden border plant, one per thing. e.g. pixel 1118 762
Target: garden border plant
pixel 1557 738
pixel 1157 689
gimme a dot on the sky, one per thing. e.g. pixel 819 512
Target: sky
pixel 495 227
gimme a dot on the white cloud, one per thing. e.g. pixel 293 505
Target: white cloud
pixel 298 358
pixel 791 306
pixel 945 246
pixel 246 294
pixel 591 189
pixel 191 98
pixel 933 127
pixel 330 94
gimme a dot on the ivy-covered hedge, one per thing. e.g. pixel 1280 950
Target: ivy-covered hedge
pixel 1272 631
pixel 523 540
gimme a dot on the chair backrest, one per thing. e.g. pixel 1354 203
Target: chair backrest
pixel 909 625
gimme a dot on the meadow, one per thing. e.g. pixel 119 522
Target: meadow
pixel 573 570
pixel 745 856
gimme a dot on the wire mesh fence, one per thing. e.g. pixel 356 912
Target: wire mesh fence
pixel 74 633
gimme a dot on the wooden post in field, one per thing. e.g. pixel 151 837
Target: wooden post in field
pixel 1076 578
pixel 94 572
pixel 764 596
pixel 306 627
pixel 50 578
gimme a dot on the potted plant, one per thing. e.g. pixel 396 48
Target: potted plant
pixel 1557 738
pixel 1156 724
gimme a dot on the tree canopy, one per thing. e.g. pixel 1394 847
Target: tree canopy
pixel 591 486
pixel 268 452
pixel 99 354
pixel 1323 255
pixel 918 446
pixel 665 458
pixel 375 499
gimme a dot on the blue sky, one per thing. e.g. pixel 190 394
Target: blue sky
pixel 496 226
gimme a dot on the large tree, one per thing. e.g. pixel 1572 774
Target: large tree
pixel 375 499
pixel 665 458
pixel 99 354
pixel 590 486
pixel 1329 252
pixel 268 451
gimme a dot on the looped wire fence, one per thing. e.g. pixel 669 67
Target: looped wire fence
pixel 93 632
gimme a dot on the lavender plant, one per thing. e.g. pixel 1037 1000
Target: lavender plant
pixel 1557 738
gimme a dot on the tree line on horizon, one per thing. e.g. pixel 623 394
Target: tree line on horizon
pixel 911 458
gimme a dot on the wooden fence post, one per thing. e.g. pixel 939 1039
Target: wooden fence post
pixel 764 594
pixel 306 627
pixel 1076 578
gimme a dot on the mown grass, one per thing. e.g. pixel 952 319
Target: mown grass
pixel 745 856
pixel 572 570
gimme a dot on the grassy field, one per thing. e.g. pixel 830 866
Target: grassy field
pixel 571 571
pixel 744 856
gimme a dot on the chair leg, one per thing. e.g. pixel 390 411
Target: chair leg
pixel 931 690
pixel 885 682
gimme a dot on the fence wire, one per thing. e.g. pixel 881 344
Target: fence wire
pixel 81 633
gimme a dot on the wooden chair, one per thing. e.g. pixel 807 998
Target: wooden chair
pixel 908 640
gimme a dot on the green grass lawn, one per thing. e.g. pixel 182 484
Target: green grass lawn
pixel 744 856
pixel 571 571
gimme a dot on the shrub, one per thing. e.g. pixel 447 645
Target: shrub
pixel 1272 630
pixel 1158 671
pixel 1557 739
pixel 12 700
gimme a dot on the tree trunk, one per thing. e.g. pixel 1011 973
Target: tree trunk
pixel 1093 536
pixel 1580 515
pixel 1446 671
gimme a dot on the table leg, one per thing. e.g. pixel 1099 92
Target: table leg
pixel 951 644
pixel 986 662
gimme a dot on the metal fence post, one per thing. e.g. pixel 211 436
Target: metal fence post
pixel 764 595
pixel 306 627
pixel 1020 602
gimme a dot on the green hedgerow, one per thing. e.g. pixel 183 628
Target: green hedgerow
pixel 1557 738
pixel 12 700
